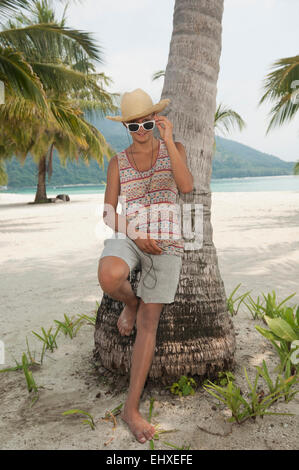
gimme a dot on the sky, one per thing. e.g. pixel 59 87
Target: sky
pixel 134 36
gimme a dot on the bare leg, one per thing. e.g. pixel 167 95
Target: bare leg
pixel 148 316
pixel 113 277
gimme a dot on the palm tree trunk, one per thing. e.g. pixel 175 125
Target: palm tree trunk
pixel 41 193
pixel 196 334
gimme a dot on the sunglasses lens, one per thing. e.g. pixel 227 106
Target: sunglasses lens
pixel 148 125
pixel 133 127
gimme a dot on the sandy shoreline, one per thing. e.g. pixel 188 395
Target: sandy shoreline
pixel 49 255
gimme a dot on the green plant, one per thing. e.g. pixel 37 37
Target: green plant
pixel 224 377
pixel 272 309
pixel 91 320
pixel 282 333
pixel 19 366
pixel 176 447
pixel 110 416
pixel 256 308
pixel 242 409
pixel 48 339
pixel 32 361
pixel 70 326
pixel 31 385
pixel 282 383
pixel 231 302
pixel 113 412
pixel 158 429
pixel 89 421
pixel 263 371
pixel 183 386
pixel 10 369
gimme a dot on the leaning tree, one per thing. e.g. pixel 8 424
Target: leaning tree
pixel 195 336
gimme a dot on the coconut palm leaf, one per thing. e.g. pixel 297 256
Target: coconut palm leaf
pixel 17 74
pixel 157 75
pixel 281 87
pixel 227 118
pixel 7 7
pixel 33 36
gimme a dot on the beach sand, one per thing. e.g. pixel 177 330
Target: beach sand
pixel 49 258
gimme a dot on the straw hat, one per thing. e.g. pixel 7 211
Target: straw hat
pixel 136 104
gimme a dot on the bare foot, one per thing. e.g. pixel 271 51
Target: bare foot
pixel 141 428
pixel 127 318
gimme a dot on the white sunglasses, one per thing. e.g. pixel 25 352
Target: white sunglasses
pixel 135 126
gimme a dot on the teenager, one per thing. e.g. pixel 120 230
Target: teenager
pixel 148 174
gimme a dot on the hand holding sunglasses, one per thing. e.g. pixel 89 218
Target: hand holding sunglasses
pixel 165 127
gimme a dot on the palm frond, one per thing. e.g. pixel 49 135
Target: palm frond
pixel 156 75
pixel 7 7
pixel 32 37
pixel 72 122
pixel 227 118
pixel 282 87
pixel 18 75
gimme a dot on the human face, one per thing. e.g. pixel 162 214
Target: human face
pixel 142 134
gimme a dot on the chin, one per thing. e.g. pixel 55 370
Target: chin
pixel 143 137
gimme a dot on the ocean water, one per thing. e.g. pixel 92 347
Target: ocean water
pixel 248 184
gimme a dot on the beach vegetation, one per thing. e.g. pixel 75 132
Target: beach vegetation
pixel 70 326
pixel 284 382
pixel 183 387
pixel 31 385
pixel 182 447
pixel 257 402
pixel 231 300
pixel 270 307
pixel 89 420
pixel 283 334
pixel 158 429
pixel 89 319
pixel 48 339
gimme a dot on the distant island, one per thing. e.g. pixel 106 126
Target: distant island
pixel 231 160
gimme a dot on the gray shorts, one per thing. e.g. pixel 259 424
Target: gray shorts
pixel 159 273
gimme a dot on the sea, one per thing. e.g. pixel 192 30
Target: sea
pixel 247 184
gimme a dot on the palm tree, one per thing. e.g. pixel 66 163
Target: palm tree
pixel 196 334
pixel 281 87
pixel 225 118
pixel 62 60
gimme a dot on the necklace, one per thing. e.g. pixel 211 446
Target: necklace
pixel 147 187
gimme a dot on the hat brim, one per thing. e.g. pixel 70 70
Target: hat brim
pixel 155 108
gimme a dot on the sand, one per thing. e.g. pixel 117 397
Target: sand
pixel 49 256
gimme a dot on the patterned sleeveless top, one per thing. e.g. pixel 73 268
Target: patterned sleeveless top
pixel 156 213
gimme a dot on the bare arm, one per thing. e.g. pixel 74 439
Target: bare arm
pixel 116 221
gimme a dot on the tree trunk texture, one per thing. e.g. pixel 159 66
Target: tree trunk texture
pixel 41 192
pixel 196 335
